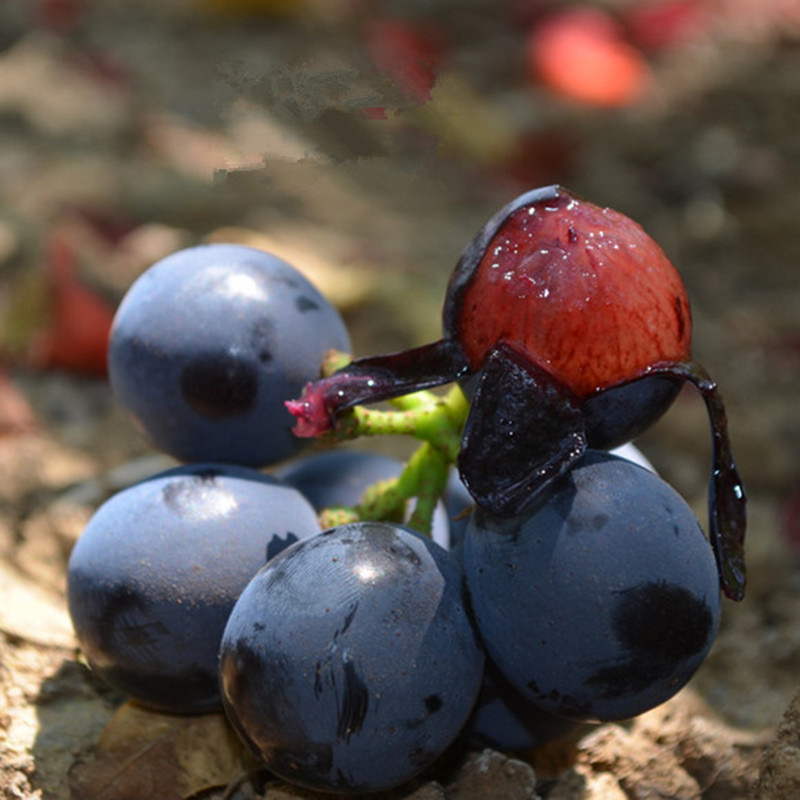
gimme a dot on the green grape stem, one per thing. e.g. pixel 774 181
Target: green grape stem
pixel 436 421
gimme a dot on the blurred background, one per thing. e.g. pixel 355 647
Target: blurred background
pixel 366 141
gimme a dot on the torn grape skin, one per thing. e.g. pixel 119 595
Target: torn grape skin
pixel 316 412
pixel 375 378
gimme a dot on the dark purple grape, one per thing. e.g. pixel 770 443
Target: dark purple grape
pixel 506 721
pixel 154 575
pixel 207 346
pixel 619 415
pixel 340 478
pixel 603 601
pixel 349 662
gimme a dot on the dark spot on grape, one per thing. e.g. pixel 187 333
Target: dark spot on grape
pixel 206 475
pixel 261 339
pixel 599 521
pixel 304 304
pixel 398 551
pixel 261 331
pixel 120 604
pixel 660 626
pixel 582 524
pixel 219 385
pixel 318 679
pixel 351 612
pixel 355 702
pixel 433 703
pixel 667 622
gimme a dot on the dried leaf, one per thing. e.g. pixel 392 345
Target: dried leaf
pixel 143 753
pixel 31 612
pixel 76 337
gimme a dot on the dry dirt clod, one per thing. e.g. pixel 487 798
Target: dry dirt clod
pixel 643 769
pixel 779 777
pixel 492 774
pixel 574 785
pixel 722 759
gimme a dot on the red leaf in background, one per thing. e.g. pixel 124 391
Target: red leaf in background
pixel 410 54
pixel 77 336
pixel 664 24
pixel 581 54
pixel 62 16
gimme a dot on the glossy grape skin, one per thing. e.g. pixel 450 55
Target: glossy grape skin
pixel 154 575
pixel 459 502
pixel 622 413
pixel 340 477
pixel 603 601
pixel 209 343
pixel 349 663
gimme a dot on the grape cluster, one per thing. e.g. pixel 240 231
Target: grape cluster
pixel 355 616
